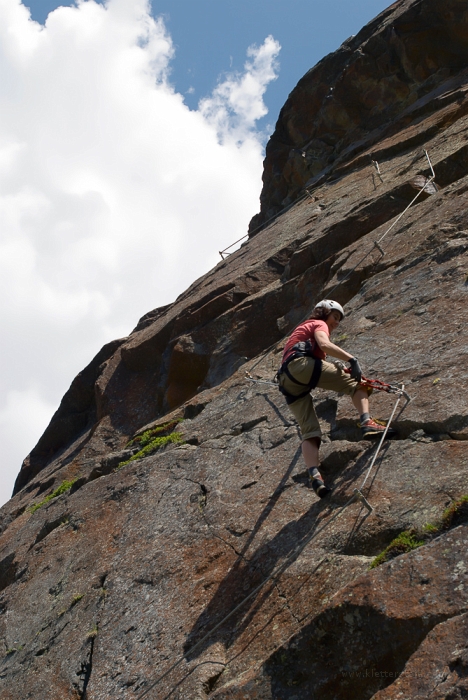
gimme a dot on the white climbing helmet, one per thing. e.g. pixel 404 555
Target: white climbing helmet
pixel 330 306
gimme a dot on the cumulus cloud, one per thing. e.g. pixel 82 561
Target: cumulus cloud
pixel 237 103
pixel 114 195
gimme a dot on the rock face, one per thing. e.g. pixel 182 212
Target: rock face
pixel 113 569
pixel 372 87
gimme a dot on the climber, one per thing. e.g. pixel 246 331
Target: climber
pixel 303 368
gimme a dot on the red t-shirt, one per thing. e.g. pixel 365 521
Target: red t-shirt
pixel 306 331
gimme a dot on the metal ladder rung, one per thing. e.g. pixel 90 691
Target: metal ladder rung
pixel 363 500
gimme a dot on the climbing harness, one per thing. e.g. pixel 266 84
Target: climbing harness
pixel 275 574
pixel 316 372
pixel 304 348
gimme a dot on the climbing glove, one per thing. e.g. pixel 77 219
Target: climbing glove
pixel 356 372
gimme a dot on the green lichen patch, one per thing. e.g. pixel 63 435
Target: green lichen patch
pixel 152 440
pixel 149 435
pixel 13 650
pixel 63 488
pixel 76 599
pixel 455 514
pixel 405 542
pixel 93 632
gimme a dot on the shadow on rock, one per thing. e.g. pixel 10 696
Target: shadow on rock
pixel 349 651
pixel 248 574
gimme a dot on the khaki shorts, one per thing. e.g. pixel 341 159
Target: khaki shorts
pixel 331 378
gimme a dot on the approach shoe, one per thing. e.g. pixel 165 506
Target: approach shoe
pixel 317 484
pixel 374 427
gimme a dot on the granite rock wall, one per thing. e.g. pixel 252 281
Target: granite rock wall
pixel 108 584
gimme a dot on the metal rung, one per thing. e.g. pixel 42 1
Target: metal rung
pixel 363 500
pixel 376 166
pixel 377 245
pixel 430 164
pixel 407 396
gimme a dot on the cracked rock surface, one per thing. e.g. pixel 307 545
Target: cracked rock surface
pixel 104 587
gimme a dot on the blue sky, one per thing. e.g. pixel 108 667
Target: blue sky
pixel 131 150
pixel 211 38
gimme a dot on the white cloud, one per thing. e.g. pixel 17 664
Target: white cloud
pixel 114 196
pixel 237 103
pixel 22 419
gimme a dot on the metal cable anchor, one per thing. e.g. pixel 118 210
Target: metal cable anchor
pixel 377 245
pixel 363 499
pixel 402 392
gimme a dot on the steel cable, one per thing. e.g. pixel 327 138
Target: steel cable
pixel 350 272
pixel 357 493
